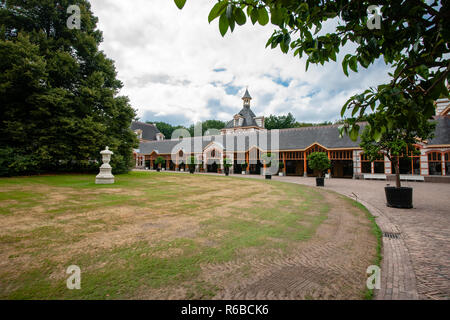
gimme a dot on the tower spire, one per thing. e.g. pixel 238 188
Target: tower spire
pixel 246 98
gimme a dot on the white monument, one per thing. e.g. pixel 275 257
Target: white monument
pixel 105 176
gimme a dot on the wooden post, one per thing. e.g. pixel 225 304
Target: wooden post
pixel 329 158
pixel 304 164
pixel 248 162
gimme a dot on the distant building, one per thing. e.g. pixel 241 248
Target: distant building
pixel 146 131
pixel 245 121
pixel 243 139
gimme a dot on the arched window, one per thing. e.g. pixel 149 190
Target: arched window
pixel 213 153
pixel 180 153
pixel 434 163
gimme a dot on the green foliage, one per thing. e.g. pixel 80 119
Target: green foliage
pixel 160 160
pixel 166 128
pixel 394 141
pixel 180 3
pixel 227 163
pixel 281 165
pixel 319 161
pixel 266 159
pixel 58 92
pixel 192 161
pixel 288 121
pixel 309 124
pixel 207 125
pixel 279 122
pixel 413 39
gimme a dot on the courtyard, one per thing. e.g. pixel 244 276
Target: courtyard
pixel 180 236
pixel 415 262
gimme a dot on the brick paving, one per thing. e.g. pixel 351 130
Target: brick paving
pixel 417 264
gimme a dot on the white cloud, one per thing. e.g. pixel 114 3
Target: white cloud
pixel 166 59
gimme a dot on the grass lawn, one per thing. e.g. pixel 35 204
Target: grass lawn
pixel 150 235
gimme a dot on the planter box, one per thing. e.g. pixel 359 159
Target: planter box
pixel 399 197
pixel 243 172
pixel 268 176
pixel 280 174
pixel 320 182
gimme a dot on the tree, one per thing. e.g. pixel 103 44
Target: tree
pixel 166 128
pixel 394 142
pixel 227 164
pixel 279 122
pixel 309 124
pixel 58 92
pixel 207 125
pixel 319 161
pixel 413 38
pixel 160 161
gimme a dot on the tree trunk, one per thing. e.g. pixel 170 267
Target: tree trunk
pixel 397 173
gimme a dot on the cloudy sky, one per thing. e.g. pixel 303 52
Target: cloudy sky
pixel 177 68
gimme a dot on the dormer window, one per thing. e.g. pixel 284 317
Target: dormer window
pixel 159 136
pixel 138 133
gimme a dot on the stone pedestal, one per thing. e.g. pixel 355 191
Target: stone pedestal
pixel 105 176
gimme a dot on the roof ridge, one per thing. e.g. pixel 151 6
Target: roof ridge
pixel 317 127
pixel 149 124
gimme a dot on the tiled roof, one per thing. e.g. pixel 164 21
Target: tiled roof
pixel 289 139
pixel 246 95
pixel 442 131
pixel 248 116
pixel 149 131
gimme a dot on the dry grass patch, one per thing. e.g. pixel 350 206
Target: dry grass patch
pixel 150 235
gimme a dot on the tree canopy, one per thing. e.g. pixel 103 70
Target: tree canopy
pixel 412 38
pixel 395 142
pixel 207 125
pixel 279 122
pixel 58 93
pixel 166 128
pixel 319 161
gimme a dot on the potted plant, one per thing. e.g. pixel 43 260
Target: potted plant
pixel 192 161
pixel 395 143
pixel 244 167
pixel 267 163
pixel 319 161
pixel 281 166
pixel 227 164
pixel 159 161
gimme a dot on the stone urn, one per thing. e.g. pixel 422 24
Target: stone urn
pixel 105 176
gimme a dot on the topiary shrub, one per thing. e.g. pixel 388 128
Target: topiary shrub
pixel 159 161
pixel 319 161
